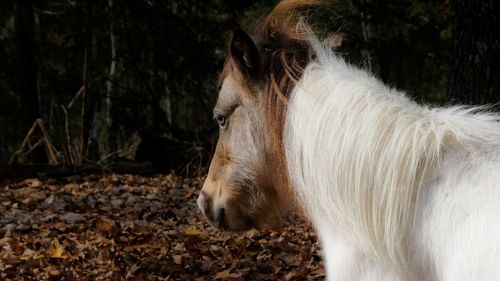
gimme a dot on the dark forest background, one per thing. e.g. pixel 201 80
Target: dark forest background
pixel 135 80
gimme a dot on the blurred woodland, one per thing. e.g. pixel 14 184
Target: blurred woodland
pixel 107 81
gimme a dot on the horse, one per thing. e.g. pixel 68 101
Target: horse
pixel 395 190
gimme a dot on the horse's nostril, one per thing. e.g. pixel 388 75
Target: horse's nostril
pixel 219 216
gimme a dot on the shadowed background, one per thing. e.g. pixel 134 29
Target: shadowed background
pixel 135 81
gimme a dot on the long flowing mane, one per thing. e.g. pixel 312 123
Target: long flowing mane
pixel 359 152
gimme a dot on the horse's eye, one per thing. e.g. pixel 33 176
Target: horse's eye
pixel 221 120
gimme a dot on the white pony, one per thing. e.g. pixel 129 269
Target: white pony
pixel 395 190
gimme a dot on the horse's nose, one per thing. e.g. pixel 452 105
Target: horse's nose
pixel 216 216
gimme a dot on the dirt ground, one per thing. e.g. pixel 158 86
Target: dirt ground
pixel 126 227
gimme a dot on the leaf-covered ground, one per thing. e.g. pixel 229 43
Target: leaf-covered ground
pixel 125 227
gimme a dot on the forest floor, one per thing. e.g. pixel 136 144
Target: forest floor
pixel 126 227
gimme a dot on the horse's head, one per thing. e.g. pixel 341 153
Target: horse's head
pixel 247 184
pixel 240 192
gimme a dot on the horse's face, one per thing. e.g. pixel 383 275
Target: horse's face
pixel 238 193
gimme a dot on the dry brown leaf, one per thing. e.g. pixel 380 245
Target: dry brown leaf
pixel 27 254
pixel 226 274
pixel 106 226
pixel 34 183
pixel 177 259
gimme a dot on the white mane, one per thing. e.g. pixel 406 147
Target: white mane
pixel 359 153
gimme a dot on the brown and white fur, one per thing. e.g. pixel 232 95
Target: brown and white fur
pixel 395 190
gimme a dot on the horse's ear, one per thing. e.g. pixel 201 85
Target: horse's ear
pixel 245 53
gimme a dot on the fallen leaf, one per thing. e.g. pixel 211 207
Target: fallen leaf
pixel 33 183
pixel 226 274
pixel 27 254
pixel 38 256
pixel 104 225
pixel 193 231
pixel 56 253
pixel 57 250
pixel 177 259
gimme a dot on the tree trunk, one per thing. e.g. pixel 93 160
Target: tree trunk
pixel 26 70
pixel 105 140
pixel 475 52
pixel 86 113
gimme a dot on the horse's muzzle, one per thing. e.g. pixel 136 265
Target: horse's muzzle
pixel 216 217
pixel 222 217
